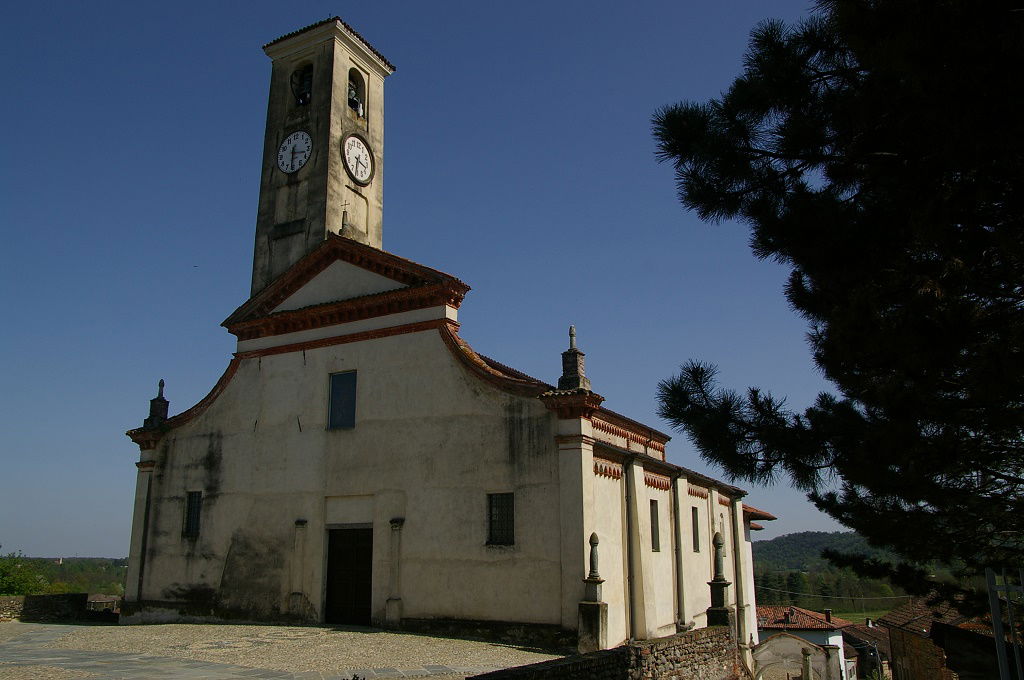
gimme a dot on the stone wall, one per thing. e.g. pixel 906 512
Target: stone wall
pixel 703 654
pixel 43 608
pixel 10 606
pixel 915 657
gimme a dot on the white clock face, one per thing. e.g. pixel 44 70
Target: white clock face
pixel 294 151
pixel 358 159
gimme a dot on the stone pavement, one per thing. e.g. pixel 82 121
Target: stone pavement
pixel 26 655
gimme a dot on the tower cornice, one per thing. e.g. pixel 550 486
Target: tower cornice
pixel 335 27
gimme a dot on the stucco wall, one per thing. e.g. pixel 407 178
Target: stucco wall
pixel 611 530
pixel 430 442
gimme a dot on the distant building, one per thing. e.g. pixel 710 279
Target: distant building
pixel 871 642
pixel 780 629
pixel 358 462
pixel 937 642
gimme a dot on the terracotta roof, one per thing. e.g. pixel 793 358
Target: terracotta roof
pixel 917 616
pixel 750 512
pixel 771 617
pixel 754 526
pixel 348 28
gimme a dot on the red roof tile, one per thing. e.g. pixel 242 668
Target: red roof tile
pixel 917 616
pixel 773 617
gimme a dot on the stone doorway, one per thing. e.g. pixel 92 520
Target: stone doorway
pixel 349 576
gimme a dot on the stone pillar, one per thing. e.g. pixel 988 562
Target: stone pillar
pixel 718 612
pixel 593 613
pixel 393 611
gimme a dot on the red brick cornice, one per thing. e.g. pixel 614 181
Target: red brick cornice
pixel 607 468
pixel 572 404
pixel 344 311
pixel 696 491
pixel 656 481
pixel 621 426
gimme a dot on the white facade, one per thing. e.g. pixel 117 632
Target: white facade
pixel 253 505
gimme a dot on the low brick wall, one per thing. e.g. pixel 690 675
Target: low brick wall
pixel 702 654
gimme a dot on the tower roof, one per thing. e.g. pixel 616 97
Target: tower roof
pixel 348 29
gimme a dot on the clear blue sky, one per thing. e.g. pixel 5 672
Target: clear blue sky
pixel 518 157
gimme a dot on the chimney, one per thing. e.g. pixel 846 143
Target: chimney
pixel 788 617
pixel 828 616
pixel 868 622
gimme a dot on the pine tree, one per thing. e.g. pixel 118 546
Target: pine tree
pixel 877 150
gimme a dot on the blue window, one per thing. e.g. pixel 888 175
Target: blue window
pixel 341 412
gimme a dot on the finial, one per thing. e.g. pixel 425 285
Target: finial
pixel 160 389
pixel 572 337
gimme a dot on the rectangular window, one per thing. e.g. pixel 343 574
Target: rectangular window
pixel 342 407
pixel 655 536
pixel 695 520
pixel 193 507
pixel 501 519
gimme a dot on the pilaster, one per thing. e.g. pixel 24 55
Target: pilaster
pixel 393 607
pixel 140 529
pixel 575 494
pixel 681 513
pixel 641 584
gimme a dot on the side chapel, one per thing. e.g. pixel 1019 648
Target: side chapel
pixel 359 463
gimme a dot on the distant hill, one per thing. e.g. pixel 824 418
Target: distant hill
pixel 802 550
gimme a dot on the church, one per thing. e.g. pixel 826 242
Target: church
pixel 359 463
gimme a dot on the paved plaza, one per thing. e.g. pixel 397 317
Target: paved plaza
pixel 193 651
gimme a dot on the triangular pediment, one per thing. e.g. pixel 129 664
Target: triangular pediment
pixel 339 281
pixel 344 276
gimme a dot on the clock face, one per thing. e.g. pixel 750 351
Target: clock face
pixel 358 159
pixel 294 151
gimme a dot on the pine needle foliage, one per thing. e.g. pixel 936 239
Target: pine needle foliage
pixel 876 148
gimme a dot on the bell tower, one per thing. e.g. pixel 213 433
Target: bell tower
pixel 323 146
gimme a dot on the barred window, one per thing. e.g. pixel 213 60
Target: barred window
pixel 501 519
pixel 193 508
pixel 695 520
pixel 655 534
pixel 342 407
